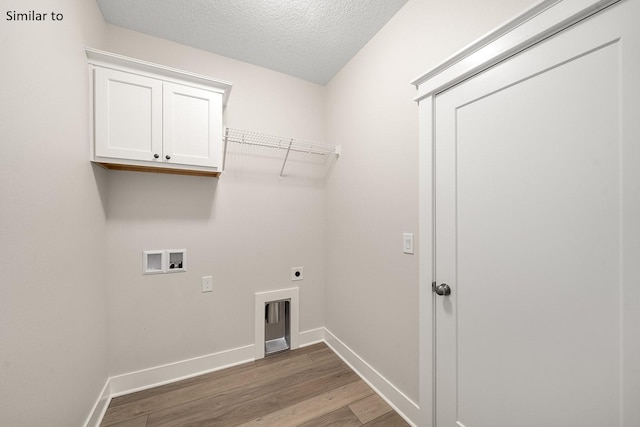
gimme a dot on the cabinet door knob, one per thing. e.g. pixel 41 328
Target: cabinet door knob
pixel 155 156
pixel 168 157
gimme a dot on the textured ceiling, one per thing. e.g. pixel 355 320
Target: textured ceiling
pixel 309 39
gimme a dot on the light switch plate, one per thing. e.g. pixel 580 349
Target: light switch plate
pixel 407 243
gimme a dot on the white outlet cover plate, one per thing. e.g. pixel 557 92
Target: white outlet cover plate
pixel 295 270
pixel 207 284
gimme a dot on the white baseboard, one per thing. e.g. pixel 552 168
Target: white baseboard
pixel 165 374
pixel 100 407
pixel 404 406
pixel 159 375
pixel 311 337
pixel 172 372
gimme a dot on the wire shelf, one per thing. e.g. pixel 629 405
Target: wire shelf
pixel 278 142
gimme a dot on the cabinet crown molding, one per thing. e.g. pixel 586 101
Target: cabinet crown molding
pixel 108 59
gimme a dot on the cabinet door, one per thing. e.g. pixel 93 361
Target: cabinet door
pixel 128 116
pixel 192 126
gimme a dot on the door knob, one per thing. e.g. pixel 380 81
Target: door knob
pixel 168 157
pixel 443 289
pixel 155 156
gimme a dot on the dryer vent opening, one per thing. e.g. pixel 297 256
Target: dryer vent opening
pixel 277 329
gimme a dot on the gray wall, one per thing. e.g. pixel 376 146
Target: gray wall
pixel 247 229
pixel 53 320
pixel 371 290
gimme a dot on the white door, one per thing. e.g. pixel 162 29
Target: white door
pixel 537 196
pixel 128 116
pixel 192 126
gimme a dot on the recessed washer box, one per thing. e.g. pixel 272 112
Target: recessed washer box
pixel 177 260
pixel 152 262
pixel 164 261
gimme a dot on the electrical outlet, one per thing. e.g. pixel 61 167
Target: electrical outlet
pixel 297 273
pixel 207 284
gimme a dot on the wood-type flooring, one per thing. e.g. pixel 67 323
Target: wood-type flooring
pixel 307 387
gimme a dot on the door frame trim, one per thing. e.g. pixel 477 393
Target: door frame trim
pixel 539 22
pixel 535 24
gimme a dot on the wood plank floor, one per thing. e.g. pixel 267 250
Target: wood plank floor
pixel 305 387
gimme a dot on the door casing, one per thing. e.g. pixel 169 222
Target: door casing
pixel 541 21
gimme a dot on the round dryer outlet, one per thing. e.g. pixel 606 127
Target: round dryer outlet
pixel 296 273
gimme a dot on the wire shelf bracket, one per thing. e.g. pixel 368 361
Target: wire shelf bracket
pixel 281 143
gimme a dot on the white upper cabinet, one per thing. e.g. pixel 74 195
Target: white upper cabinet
pixel 192 125
pixel 127 115
pixel 147 117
